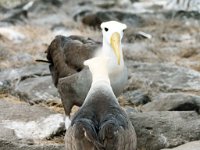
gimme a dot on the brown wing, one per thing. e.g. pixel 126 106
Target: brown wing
pixel 81 136
pixel 117 137
pixel 127 139
pixel 67 54
pixel 73 143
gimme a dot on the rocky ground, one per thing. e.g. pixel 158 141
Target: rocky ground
pixel 161 50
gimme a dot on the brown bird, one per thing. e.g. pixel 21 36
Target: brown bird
pixel 67 54
pixel 100 123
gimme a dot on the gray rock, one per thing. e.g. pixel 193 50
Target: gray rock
pixel 11 4
pixel 182 14
pixel 178 38
pixel 136 97
pixel 12 35
pixel 195 145
pixel 130 109
pixel 191 5
pixel 189 14
pixel 56 3
pixel 23 58
pixel 11 77
pixel 173 102
pixel 4 53
pixel 134 1
pixel 139 52
pixel 105 4
pixel 38 129
pixel 14 110
pixel 39 89
pixel 4 145
pixel 156 78
pixel 97 18
pixel 15 136
pixel 157 130
pixel 132 36
pixel 24 72
pixel 5 87
pixel 20 12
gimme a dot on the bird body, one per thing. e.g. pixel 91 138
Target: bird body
pixel 100 123
pixel 67 55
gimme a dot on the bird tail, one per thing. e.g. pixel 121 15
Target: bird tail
pixel 108 134
pixel 41 60
pixel 86 128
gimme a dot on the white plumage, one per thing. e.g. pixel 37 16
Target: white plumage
pixel 112 47
pixel 67 54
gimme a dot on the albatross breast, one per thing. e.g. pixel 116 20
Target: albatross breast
pixel 67 54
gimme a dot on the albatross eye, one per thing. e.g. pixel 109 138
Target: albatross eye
pixel 106 29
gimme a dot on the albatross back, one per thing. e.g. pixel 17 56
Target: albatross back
pixel 100 123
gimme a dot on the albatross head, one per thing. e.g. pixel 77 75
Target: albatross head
pixel 112 36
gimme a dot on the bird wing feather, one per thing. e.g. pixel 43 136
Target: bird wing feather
pixel 127 138
pixel 116 137
pixel 82 136
pixel 67 54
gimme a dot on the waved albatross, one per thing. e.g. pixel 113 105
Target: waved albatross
pixel 100 123
pixel 67 54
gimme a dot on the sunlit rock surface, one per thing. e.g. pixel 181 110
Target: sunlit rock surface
pixel 22 124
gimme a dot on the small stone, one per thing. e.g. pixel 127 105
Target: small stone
pixel 173 102
pixel 4 86
pixel 136 97
pixel 22 58
pixel 12 34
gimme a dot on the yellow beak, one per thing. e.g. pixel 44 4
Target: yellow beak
pixel 115 44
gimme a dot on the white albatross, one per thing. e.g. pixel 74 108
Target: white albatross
pixel 67 54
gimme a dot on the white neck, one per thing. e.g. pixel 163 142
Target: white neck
pixel 99 73
pixel 100 79
pixel 108 51
pixel 100 85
